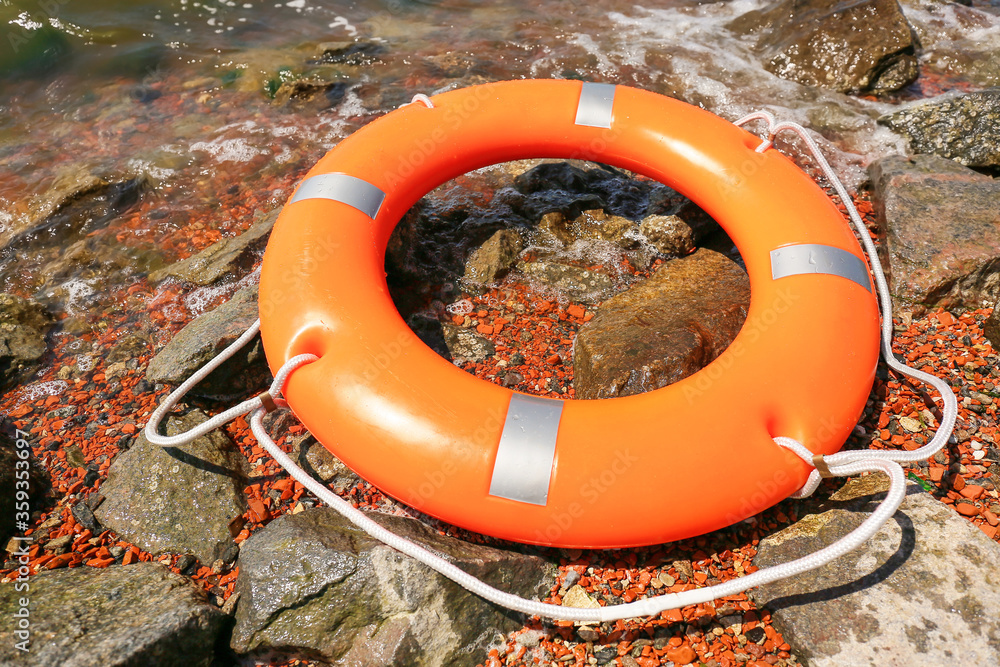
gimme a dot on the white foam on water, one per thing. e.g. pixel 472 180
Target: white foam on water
pixel 86 362
pixel 37 390
pixel 77 290
pixel 229 150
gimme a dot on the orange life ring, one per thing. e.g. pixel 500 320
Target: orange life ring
pixel 668 464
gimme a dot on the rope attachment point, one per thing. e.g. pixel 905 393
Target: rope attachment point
pixel 267 402
pixel 821 467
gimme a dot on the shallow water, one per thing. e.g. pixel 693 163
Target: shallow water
pixel 188 97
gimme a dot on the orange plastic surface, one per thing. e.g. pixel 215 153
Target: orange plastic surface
pixel 668 464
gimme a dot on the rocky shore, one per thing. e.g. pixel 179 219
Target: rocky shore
pixel 557 278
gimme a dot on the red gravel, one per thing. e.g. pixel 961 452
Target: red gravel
pixel 950 345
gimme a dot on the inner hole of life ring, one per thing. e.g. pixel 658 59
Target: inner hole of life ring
pixel 567 279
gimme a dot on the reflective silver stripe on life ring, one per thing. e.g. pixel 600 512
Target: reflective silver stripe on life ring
pixel 795 260
pixel 597 100
pixel 527 449
pixel 349 190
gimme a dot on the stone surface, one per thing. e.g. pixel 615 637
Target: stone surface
pixel 591 225
pixel 669 234
pixel 965 128
pixel 23 327
pixel 662 329
pixel 491 260
pixel 176 499
pixel 322 464
pixel 577 283
pixel 225 259
pixel 202 340
pixel 140 614
pixel 466 345
pixel 941 230
pixel 847 46
pixel 313 586
pixel 925 590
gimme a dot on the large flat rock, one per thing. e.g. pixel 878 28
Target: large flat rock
pixel 662 329
pixel 313 586
pixel 177 499
pixel 941 225
pixel 924 591
pixel 120 616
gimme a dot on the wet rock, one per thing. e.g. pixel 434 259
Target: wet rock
pixel 203 338
pixel 847 46
pixel 579 284
pixel 663 329
pixel 492 259
pixel 991 328
pixel 23 327
pixel 142 614
pixel 924 585
pixel 591 225
pixel 222 260
pixel 669 234
pixel 313 586
pixel 80 200
pixel 941 230
pixel 322 464
pixel 176 499
pixel 38 481
pixel 131 346
pixel 964 128
pixel 349 53
pixel 465 345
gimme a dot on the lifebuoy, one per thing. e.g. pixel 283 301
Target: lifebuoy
pixel 668 464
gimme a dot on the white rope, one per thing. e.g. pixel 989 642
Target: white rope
pixel 841 464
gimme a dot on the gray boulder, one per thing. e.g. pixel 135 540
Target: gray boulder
pixel 140 614
pixel 663 329
pixel 965 128
pixel 202 340
pixel 313 586
pixel 23 327
pixel 941 231
pixel 925 590
pixel 227 258
pixel 849 46
pixel 177 499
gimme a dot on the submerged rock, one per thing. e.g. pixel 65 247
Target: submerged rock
pixel 224 259
pixel 142 614
pixel 80 200
pixel 941 230
pixel 965 128
pixel 313 586
pixel 924 585
pixel 579 284
pixel 492 259
pixel 848 46
pixel 177 499
pixel 202 340
pixel 24 325
pixel 663 329
pixel 465 345
pixel 669 234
